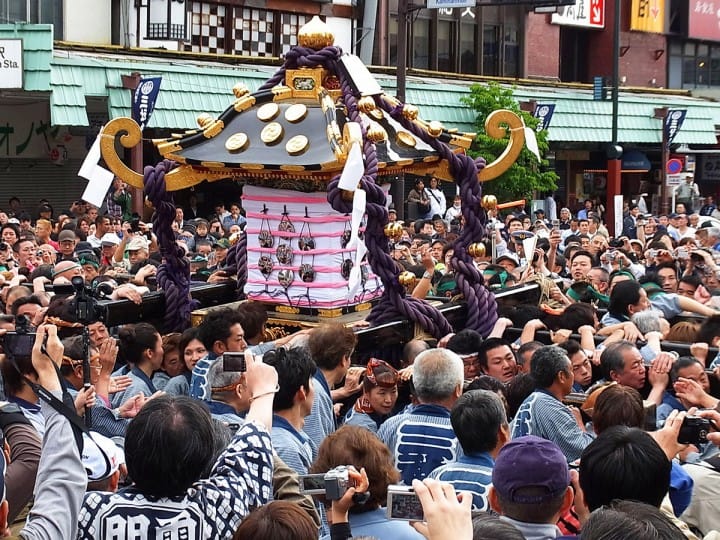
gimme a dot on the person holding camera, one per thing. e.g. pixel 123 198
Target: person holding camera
pixel 353 445
pixel 169 449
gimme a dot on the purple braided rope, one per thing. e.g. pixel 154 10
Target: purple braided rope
pixel 394 302
pixel 236 263
pixel 481 304
pixel 173 275
pixel 303 57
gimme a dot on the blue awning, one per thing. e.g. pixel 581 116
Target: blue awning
pixel 634 160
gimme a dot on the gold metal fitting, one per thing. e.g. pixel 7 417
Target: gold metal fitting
pixel 489 202
pixel 240 90
pixel 476 250
pixel 315 34
pixel 434 129
pixel 366 104
pixel 204 120
pixel 393 230
pixel 410 111
pixel 376 133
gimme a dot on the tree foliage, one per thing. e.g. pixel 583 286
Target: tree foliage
pixel 526 175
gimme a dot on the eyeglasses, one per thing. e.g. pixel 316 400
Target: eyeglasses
pixel 380 373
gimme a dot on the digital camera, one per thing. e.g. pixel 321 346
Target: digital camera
pixel 404 504
pixel 337 482
pixel 694 430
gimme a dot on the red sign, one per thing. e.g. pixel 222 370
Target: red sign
pixel 704 19
pixel 674 166
pixel 597 13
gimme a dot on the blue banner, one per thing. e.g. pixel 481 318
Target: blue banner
pixel 544 112
pixel 673 122
pixel 143 103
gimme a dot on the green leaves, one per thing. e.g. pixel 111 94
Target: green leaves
pixel 526 175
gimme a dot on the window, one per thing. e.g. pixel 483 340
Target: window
pixel 33 11
pixel 227 29
pixel 445 53
pixel 420 44
pixel 468 48
pixel 491 56
pixel 511 67
pixel 693 65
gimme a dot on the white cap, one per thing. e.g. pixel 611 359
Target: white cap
pixel 94 456
pixel 110 239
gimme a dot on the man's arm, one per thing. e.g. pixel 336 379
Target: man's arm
pixel 25 452
pixel 286 487
pixel 61 478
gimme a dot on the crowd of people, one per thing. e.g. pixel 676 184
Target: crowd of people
pixel 573 418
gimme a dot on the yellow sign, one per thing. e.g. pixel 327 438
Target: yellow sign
pixel 648 16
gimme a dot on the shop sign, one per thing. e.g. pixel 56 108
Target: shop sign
pixel 648 16
pixel 710 167
pixel 585 13
pixel 11 63
pixel 703 21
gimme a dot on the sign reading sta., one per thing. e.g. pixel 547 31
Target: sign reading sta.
pixel 586 13
pixel 11 63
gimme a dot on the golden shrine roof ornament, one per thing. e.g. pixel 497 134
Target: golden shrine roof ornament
pixel 315 34
pixel 294 126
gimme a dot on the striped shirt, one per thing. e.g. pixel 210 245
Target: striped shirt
pixel 421 441
pixel 543 415
pixel 469 473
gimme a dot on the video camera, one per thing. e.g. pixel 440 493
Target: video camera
pixel 87 308
pixel 333 484
pixel 20 343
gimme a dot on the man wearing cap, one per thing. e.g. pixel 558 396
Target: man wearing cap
pixel 540 216
pixel 687 191
pixel 108 244
pixel 220 248
pixel 136 247
pixel 392 214
pixel 531 486
pixel 543 413
pixel 423 439
pixel 508 261
pixel 66 241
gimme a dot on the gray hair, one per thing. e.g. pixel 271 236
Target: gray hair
pixel 218 378
pixel 546 363
pixel 646 321
pixel 436 374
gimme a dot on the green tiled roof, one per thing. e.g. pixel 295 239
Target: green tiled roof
pixel 37 52
pixel 189 89
pixel 577 117
pixel 185 92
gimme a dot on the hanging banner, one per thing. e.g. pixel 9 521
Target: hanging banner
pixel 544 112
pixel 673 123
pixel 143 103
pixel 648 16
